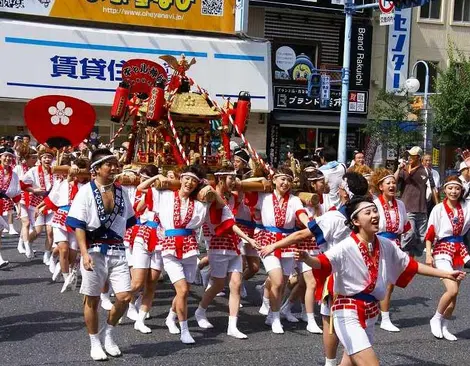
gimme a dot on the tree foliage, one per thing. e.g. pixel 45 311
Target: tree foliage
pixel 391 125
pixel 451 104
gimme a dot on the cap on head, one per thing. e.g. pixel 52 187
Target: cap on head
pixel 463 165
pixel 415 150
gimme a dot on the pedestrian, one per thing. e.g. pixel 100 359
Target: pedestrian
pixel 363 264
pixel 180 214
pixel 431 193
pixel 333 172
pixel 358 159
pixel 393 223
pixel 279 211
pixel 329 230
pixel 9 188
pixel 100 215
pixel 448 222
pixel 413 179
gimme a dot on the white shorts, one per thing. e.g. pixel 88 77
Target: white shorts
pixel 143 259
pixel 44 220
pixel 129 256
pixel 443 264
pixel 179 269
pixel 106 268
pixel 303 267
pixel 271 262
pixel 27 212
pixel 352 336
pixel 325 307
pixel 248 251
pixel 222 264
pixel 61 235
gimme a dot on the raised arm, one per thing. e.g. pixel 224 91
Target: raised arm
pixel 287 241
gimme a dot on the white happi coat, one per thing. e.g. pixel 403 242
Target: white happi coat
pixel 352 275
pixel 32 179
pixel 222 239
pixel 446 235
pixel 264 203
pixel 164 206
pixel 83 213
pixel 329 229
pixel 403 217
pixel 21 170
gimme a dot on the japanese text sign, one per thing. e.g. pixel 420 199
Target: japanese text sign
pixel 197 15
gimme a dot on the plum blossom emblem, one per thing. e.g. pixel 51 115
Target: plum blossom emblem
pixel 60 114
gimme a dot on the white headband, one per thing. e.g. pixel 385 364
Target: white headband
pixel 310 169
pixel 314 179
pixel 103 159
pixel 278 175
pixel 386 177
pixel 7 153
pixel 453 182
pixel 192 175
pixel 226 173
pixel 362 208
pixel 344 185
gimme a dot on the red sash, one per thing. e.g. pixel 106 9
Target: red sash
pixel 181 225
pixel 280 213
pixel 372 262
pixel 389 226
pixel 457 222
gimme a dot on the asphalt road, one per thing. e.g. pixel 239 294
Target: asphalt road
pixel 40 326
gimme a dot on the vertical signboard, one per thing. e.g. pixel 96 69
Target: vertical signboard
pixel 398 51
pixel 361 50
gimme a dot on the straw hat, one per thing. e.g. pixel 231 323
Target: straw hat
pixel 192 104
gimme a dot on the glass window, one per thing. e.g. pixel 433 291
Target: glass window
pixel 421 76
pixel 461 11
pixel 431 10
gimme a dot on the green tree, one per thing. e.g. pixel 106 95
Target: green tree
pixel 451 104
pixel 392 124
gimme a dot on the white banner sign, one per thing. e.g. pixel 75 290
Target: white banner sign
pixel 387 18
pixel 86 64
pixel 398 50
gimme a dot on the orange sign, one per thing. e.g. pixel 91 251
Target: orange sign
pixel 197 15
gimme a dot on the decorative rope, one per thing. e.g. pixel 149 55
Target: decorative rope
pixel 118 132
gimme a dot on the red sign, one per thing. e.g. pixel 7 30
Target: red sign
pixel 59 120
pixel 386 6
pixel 142 75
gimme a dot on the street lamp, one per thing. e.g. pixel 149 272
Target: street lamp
pixel 412 86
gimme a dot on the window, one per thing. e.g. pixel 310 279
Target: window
pixel 461 11
pixel 421 76
pixel 431 10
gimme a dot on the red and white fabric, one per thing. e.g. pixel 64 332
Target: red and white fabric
pixel 393 216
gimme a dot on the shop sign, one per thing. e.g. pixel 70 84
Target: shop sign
pixel 293 63
pixel 88 65
pixel 273 145
pixel 361 51
pixel 398 52
pixel 196 15
pixel 296 99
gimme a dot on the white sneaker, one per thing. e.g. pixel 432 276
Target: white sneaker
pixel 97 354
pixel 235 333
pixel 4 263
pixel 388 326
pixel 141 327
pixel 106 303
pixel 56 273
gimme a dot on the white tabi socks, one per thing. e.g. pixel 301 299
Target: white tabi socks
pixel 28 250
pixel 139 324
pixel 436 325
pixel 21 248
pixel 201 318
pixel 286 312
pixel 3 263
pixel 312 325
pixel 46 257
pixel 276 325
pixel 96 350
pixel 232 329
pixel 170 322
pixel 264 309
pixel 109 345
pixel 106 303
pixel 12 230
pixel 132 313
pixel 330 361
pixel 386 323
pixel 445 331
pixel 185 335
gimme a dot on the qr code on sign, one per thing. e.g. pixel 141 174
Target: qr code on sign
pixel 212 7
